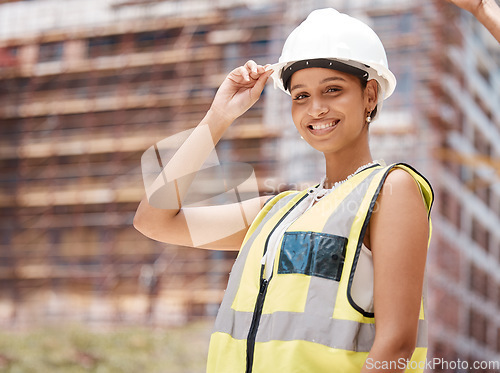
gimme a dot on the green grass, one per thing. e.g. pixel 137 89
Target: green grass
pixel 77 349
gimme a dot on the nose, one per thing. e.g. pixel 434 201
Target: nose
pixel 318 108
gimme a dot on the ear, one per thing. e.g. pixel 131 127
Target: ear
pixel 371 94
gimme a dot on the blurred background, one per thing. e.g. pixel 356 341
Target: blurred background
pixel 86 86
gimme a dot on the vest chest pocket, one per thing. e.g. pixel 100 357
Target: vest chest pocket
pixel 312 254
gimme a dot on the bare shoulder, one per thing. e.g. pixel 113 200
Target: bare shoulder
pixel 400 211
pixel 401 182
pixel 400 190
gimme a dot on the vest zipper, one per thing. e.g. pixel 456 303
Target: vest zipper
pixel 257 313
pixel 259 304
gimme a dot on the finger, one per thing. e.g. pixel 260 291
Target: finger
pixel 256 71
pixel 244 73
pixel 261 82
pixel 253 69
pixel 251 65
pixel 255 75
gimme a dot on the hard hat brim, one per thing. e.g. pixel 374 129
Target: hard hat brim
pixel 384 77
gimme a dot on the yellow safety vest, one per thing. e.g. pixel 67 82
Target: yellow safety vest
pixel 304 318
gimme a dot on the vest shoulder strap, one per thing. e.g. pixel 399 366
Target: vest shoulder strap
pixel 270 203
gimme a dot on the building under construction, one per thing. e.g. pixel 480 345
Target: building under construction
pixel 87 86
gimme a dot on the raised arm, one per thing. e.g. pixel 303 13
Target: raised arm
pixel 486 11
pixel 220 226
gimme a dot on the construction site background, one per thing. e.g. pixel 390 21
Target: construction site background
pixel 87 86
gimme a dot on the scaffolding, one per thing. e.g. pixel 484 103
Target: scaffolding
pixel 80 107
pixel 459 96
pixel 82 100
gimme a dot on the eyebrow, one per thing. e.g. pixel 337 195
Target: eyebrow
pixel 326 80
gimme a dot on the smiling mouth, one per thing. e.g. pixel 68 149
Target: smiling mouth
pixel 323 126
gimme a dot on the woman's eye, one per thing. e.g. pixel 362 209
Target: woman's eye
pixel 333 89
pixel 300 96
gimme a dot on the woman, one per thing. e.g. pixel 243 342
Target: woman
pixel 317 269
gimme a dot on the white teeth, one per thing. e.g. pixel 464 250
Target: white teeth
pixel 322 126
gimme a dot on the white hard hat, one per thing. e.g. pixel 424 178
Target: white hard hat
pixel 351 46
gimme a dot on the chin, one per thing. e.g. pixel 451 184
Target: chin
pixel 324 148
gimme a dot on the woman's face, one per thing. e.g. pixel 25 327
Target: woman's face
pixel 329 108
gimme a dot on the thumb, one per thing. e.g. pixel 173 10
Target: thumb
pixel 261 82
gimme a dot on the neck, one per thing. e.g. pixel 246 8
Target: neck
pixel 340 165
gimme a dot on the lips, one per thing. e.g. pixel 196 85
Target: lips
pixel 322 128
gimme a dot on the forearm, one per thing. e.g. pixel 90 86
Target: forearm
pixel 167 184
pixel 168 177
pixel 195 151
pixel 488 13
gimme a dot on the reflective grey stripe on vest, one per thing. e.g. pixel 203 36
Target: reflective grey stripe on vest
pixel 226 316
pixel 315 324
pixel 290 326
